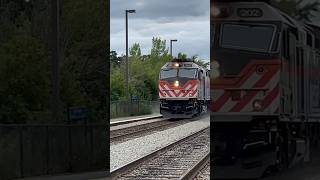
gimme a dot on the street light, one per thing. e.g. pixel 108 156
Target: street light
pixel 172 40
pixel 127 61
pixel 55 59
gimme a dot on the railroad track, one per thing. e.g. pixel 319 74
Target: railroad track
pixel 128 133
pixel 203 173
pixel 180 160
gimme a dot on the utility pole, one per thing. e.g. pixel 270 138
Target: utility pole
pixel 127 59
pixel 55 60
pixel 172 40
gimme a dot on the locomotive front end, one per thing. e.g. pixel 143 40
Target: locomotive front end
pixel 245 78
pixel 180 89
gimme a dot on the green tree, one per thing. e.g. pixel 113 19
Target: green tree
pixel 24 80
pixel 298 9
pixel 182 56
pixel 114 59
pixel 135 50
pixel 200 62
pixel 158 49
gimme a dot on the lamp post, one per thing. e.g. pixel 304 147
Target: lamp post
pixel 55 59
pixel 127 60
pixel 172 40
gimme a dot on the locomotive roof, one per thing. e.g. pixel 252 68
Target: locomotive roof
pixel 185 64
pixel 270 13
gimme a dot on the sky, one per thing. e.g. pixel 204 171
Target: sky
pixel 184 20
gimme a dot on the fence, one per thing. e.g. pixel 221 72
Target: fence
pixel 31 150
pixel 133 108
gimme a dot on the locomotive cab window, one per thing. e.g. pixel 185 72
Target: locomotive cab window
pixel 187 72
pixel 168 73
pixel 244 36
pixel 181 72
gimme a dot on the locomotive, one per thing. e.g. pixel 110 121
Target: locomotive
pixel 265 108
pixel 183 89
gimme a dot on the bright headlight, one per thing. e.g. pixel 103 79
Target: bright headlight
pixel 215 73
pixel 215 11
pixel 215 65
pixel 176 83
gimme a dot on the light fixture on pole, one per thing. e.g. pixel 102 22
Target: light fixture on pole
pixel 172 40
pixel 127 61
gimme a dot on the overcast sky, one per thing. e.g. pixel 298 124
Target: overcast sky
pixel 184 20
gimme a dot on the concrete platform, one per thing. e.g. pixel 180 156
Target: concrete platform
pixel 121 120
pixel 96 175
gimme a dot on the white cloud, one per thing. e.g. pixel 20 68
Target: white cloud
pixel 187 21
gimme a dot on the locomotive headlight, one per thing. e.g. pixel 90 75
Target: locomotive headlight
pixel 176 84
pixel 257 104
pixel 176 64
pixel 215 11
pixel 220 12
pixel 215 65
pixel 215 73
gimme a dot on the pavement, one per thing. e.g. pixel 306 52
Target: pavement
pixel 115 120
pixel 96 175
pixel 134 117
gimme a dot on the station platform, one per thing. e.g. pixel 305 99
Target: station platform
pixel 132 118
pixel 96 175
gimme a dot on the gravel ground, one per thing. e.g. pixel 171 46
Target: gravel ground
pixel 204 173
pixel 144 130
pixel 126 152
pixel 172 162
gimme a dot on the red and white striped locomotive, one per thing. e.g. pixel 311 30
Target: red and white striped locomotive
pixel 265 109
pixel 183 89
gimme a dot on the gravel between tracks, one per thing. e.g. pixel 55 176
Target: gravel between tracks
pixel 126 152
pixel 204 173
pixel 142 130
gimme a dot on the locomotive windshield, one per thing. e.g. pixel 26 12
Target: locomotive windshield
pixel 242 36
pixel 181 72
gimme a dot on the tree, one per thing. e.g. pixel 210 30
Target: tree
pixel 200 62
pixel 135 50
pixel 182 56
pixel 114 59
pixel 24 80
pixel 298 10
pixel 158 49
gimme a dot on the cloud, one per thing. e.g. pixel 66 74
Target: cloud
pixel 164 10
pixel 185 20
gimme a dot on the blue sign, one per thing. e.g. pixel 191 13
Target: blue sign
pixel 135 98
pixel 77 113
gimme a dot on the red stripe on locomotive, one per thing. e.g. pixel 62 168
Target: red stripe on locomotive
pixel 178 92
pixel 252 85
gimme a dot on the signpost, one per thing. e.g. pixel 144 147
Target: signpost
pixel 77 113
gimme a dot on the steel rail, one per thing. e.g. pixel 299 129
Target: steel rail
pixel 193 171
pixel 115 173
